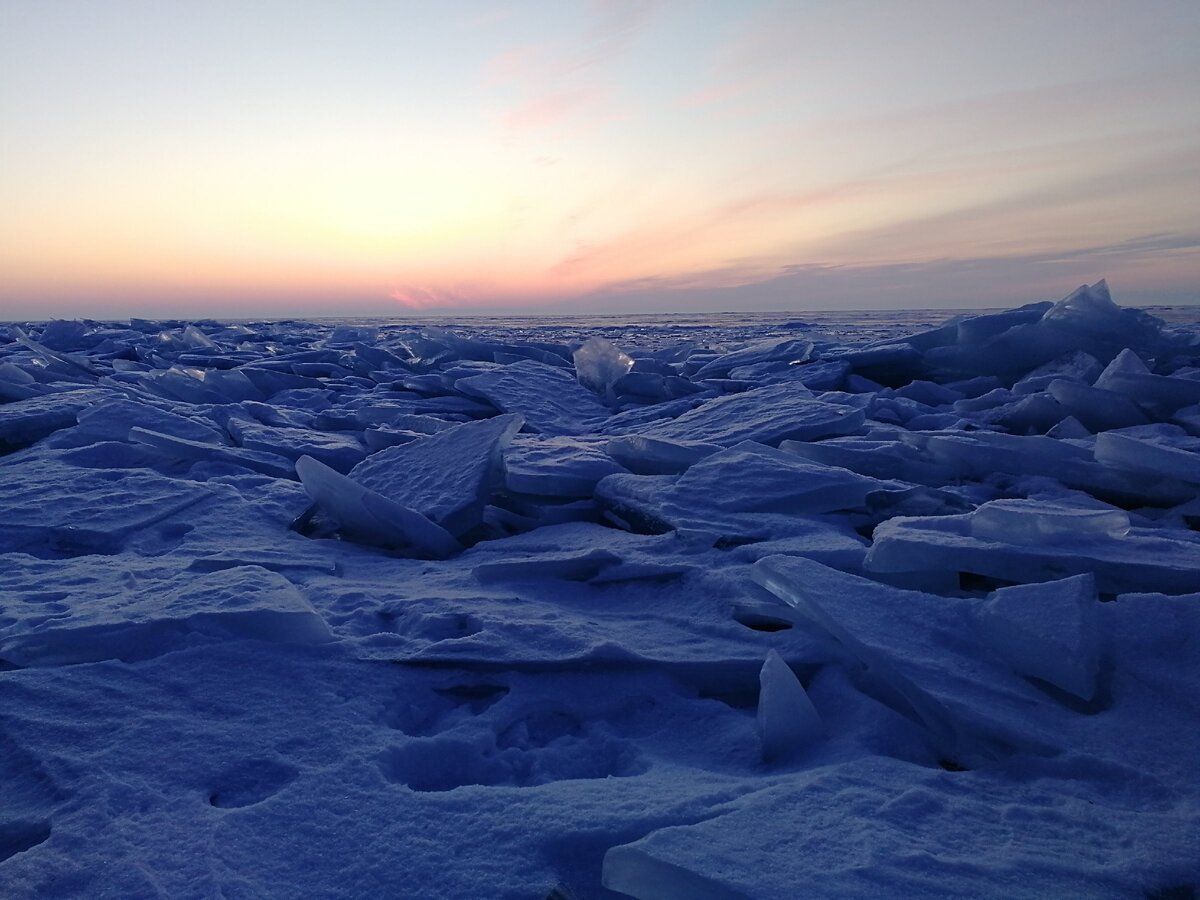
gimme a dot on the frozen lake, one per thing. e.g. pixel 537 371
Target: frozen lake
pixel 715 606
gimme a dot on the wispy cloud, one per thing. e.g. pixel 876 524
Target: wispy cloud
pixel 564 78
pixel 549 109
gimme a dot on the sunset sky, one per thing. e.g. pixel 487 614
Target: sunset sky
pixel 299 158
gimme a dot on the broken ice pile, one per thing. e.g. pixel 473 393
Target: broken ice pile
pixel 868 563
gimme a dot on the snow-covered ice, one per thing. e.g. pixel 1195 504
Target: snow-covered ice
pixel 584 609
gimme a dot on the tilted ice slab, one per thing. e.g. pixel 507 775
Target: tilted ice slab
pixel 555 466
pixel 337 450
pixel 447 476
pixel 25 421
pixel 634 421
pixel 53 507
pixel 1096 408
pixel 920 655
pixel 364 515
pixel 767 415
pixel 172 446
pixel 978 455
pixel 657 456
pixel 1164 451
pixel 1041 542
pixel 551 401
pixel 70 362
pixel 111 421
pixel 1109 816
pixel 873 455
pixel 787 721
pixel 117 618
pixel 751 477
pixel 789 351
pixel 1048 631
pixel 875 827
pixel 1129 376
pixel 1034 521
pixel 771 485
pixel 1077 367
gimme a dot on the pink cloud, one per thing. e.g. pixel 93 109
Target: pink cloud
pixel 560 79
pixel 419 298
pixel 546 110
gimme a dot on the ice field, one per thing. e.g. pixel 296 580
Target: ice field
pixel 772 608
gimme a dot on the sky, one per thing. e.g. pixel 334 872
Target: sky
pixel 361 157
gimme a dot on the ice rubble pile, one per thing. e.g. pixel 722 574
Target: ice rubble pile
pixel 889 555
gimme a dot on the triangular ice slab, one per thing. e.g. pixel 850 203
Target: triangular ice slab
pixel 1049 631
pixel 787 721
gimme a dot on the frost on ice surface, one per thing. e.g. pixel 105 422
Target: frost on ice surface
pixel 553 608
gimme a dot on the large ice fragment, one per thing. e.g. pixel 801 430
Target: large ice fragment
pixel 1086 321
pixel 657 456
pixel 555 467
pixel 787 352
pixel 1125 364
pixel 112 421
pixel 767 415
pixel 981 454
pixel 29 420
pixel 1166 560
pixel 337 450
pixel 1077 367
pixel 881 827
pixel 787 720
pixel 765 479
pixel 1035 521
pixel 772 486
pixel 1049 631
pixel 599 364
pixel 365 515
pixel 69 362
pixel 916 655
pixel 446 476
pixel 1096 408
pixel 51 507
pixel 879 457
pixel 106 620
pixel 182 448
pixel 1129 376
pixel 551 401
pixel 1164 451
